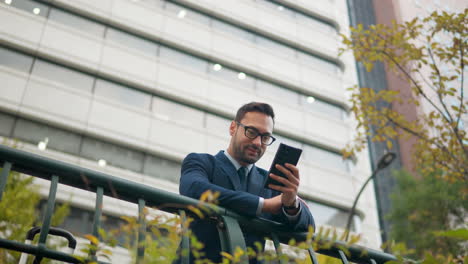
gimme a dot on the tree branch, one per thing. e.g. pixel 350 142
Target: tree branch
pixel 462 66
pixel 416 85
pixel 439 96
pixel 418 135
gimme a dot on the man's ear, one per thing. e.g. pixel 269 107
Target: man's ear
pixel 232 128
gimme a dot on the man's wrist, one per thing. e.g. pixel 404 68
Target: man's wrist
pixel 293 206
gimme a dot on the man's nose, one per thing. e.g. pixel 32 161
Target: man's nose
pixel 258 141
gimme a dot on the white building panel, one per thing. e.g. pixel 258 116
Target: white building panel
pixel 71 44
pixel 243 53
pixel 176 138
pixel 127 64
pixel 227 97
pixel 239 9
pixel 288 118
pixel 117 119
pixel 64 103
pixel 176 80
pixel 101 7
pixel 315 80
pixel 278 67
pixel 180 30
pixel 12 87
pixel 277 24
pixel 143 18
pixel 309 37
pixel 19 27
pixel 331 131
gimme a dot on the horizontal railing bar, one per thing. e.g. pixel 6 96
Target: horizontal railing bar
pixel 123 189
pixel 37 250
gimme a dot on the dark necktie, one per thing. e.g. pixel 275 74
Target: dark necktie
pixel 242 172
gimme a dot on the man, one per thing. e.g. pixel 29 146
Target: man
pixel 234 175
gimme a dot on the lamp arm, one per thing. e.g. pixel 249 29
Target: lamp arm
pixel 348 223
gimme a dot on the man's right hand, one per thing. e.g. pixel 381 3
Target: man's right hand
pixel 272 205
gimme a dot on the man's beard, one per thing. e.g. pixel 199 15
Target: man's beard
pixel 242 154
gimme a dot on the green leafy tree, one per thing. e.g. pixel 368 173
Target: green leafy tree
pixel 430 55
pixel 423 207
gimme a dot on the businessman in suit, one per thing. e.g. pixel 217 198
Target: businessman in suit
pixel 239 182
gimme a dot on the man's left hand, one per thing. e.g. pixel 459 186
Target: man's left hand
pixel 291 184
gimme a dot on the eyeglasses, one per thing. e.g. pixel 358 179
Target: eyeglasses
pixel 252 133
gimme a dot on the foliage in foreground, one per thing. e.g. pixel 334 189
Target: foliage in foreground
pixel 20 212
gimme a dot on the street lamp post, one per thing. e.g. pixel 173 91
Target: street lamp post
pixel 384 161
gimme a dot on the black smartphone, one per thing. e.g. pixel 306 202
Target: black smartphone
pixel 285 154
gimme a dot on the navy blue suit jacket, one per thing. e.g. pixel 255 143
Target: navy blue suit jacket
pixel 202 172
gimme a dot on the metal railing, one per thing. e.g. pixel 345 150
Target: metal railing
pixel 145 196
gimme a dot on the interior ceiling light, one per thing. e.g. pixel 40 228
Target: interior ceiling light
pixel 241 75
pixel 7 2
pixel 310 99
pixel 280 8
pixel 181 13
pixel 36 10
pixel 42 145
pixel 217 67
pixel 102 162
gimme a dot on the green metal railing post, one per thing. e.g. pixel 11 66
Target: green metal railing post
pixel 231 237
pixel 4 177
pixel 312 255
pixel 343 258
pixel 98 212
pixel 185 243
pixel 141 231
pixel 47 216
pixel 277 244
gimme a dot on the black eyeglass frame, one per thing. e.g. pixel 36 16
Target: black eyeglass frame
pixel 257 134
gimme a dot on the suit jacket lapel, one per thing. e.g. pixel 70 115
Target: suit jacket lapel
pixel 229 170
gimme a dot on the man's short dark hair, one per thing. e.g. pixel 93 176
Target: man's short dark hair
pixel 255 107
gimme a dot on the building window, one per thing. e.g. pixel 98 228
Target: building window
pixel 29 6
pixel 234 31
pixel 217 125
pixel 178 113
pixel 332 216
pixel 162 168
pixel 232 76
pixel 7 122
pixel 316 24
pixel 53 138
pixel 123 94
pixel 275 47
pixel 15 60
pixel 269 90
pixel 184 13
pixel 313 104
pixel 318 63
pixel 76 22
pixel 325 158
pixel 133 42
pixel 183 59
pixel 63 76
pixel 280 9
pixel 112 154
